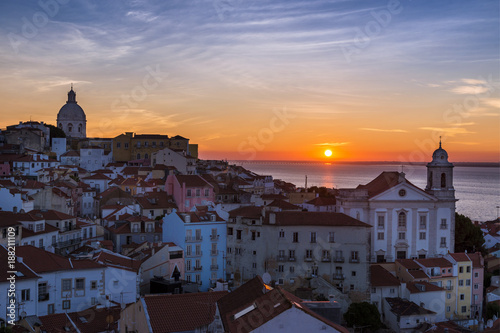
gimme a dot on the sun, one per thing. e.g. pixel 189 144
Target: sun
pixel 328 153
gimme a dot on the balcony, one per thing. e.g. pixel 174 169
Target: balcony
pixel 339 259
pixel 194 239
pixel 291 258
pixel 354 260
pixel 43 297
pixel 67 243
pixel 214 267
pixel 448 287
pixel 198 268
pixel 214 237
pixel 306 258
pixel 195 254
pixel 444 226
pixel 338 276
pixel 281 258
pixel 326 259
pixel 214 252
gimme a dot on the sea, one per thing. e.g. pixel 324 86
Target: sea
pixel 477 188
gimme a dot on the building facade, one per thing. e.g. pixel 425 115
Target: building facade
pixel 71 118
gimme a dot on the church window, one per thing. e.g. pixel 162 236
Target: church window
pixel 79 128
pixel 70 127
pixel 430 179
pixel 138 156
pixel 146 156
pixel 60 125
pixel 402 220
pixel 443 180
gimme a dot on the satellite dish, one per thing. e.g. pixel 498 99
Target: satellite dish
pixel 266 277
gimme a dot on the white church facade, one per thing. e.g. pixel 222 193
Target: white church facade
pixel 407 222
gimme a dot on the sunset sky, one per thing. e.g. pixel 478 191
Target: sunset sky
pixel 245 79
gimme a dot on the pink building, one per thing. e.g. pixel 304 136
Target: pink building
pixel 189 191
pixel 477 284
pixel 4 168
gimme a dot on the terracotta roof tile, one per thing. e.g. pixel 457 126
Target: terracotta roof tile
pixel 421 287
pixel 434 262
pixel 403 307
pixel 460 257
pixel 247 211
pixel 24 272
pixel 182 312
pixel 284 205
pixel 192 181
pixel 322 201
pixel 380 277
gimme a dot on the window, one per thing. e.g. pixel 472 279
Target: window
pixel 188 265
pixel 309 254
pixel 139 156
pixel 374 290
pixel 401 235
pixel 402 220
pixel 467 282
pixel 295 237
pixel 126 145
pixel 476 286
pixel 353 273
pixel 25 295
pixel 93 285
pixel 238 234
pixel 443 181
pixel 354 256
pixel 468 269
pixel 444 225
pixel 423 222
pixel 93 301
pixel 291 254
pixel 461 269
pixel 281 268
pixel 253 235
pixel 380 222
pixel 254 265
pixel 39 227
pixel 476 274
pixel 351 287
pixel 292 269
pixel 79 284
pixel 443 242
pixel 464 309
pixel 229 250
pixel 460 283
pixel 66 305
pixel 331 237
pixel 448 296
pixel 40 243
pixel 229 231
pixel 118 145
pixel 392 290
pixel 188 278
pixel 448 309
pixel 188 193
pixel 42 292
pixel 380 236
pixel 422 236
pixel 66 284
pixel 207 192
pixel 282 234
pixel 313 237
pixel 198 192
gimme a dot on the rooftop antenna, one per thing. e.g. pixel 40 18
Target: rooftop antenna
pixel 306 184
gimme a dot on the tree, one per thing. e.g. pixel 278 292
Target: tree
pixel 5 329
pixel 363 314
pixel 468 237
pixel 55 132
pixel 492 309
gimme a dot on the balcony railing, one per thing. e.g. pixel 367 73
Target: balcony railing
pixel 281 258
pixel 326 259
pixel 214 237
pixel 338 276
pixel 449 287
pixel 444 226
pixel 339 259
pixel 291 258
pixel 306 258
pixel 43 297
pixel 214 267
pixel 214 252
pixel 194 254
pixel 67 243
pixel 354 260
pixel 194 239
pixel 198 268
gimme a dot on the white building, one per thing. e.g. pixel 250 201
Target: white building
pixel 94 158
pixel 59 146
pixel 65 285
pixel 15 201
pixel 404 316
pixel 183 162
pixel 30 164
pixel 408 222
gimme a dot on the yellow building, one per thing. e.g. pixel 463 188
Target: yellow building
pixel 464 286
pixel 130 146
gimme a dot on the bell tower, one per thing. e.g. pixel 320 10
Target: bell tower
pixel 440 175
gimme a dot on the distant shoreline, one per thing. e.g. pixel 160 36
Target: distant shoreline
pixel 457 164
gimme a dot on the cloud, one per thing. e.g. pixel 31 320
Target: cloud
pixel 450 131
pixel 332 144
pixel 469 90
pixel 494 102
pixel 384 130
pixel 465 143
pixel 474 81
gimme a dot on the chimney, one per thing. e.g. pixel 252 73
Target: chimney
pixel 187 218
pixel 402 178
